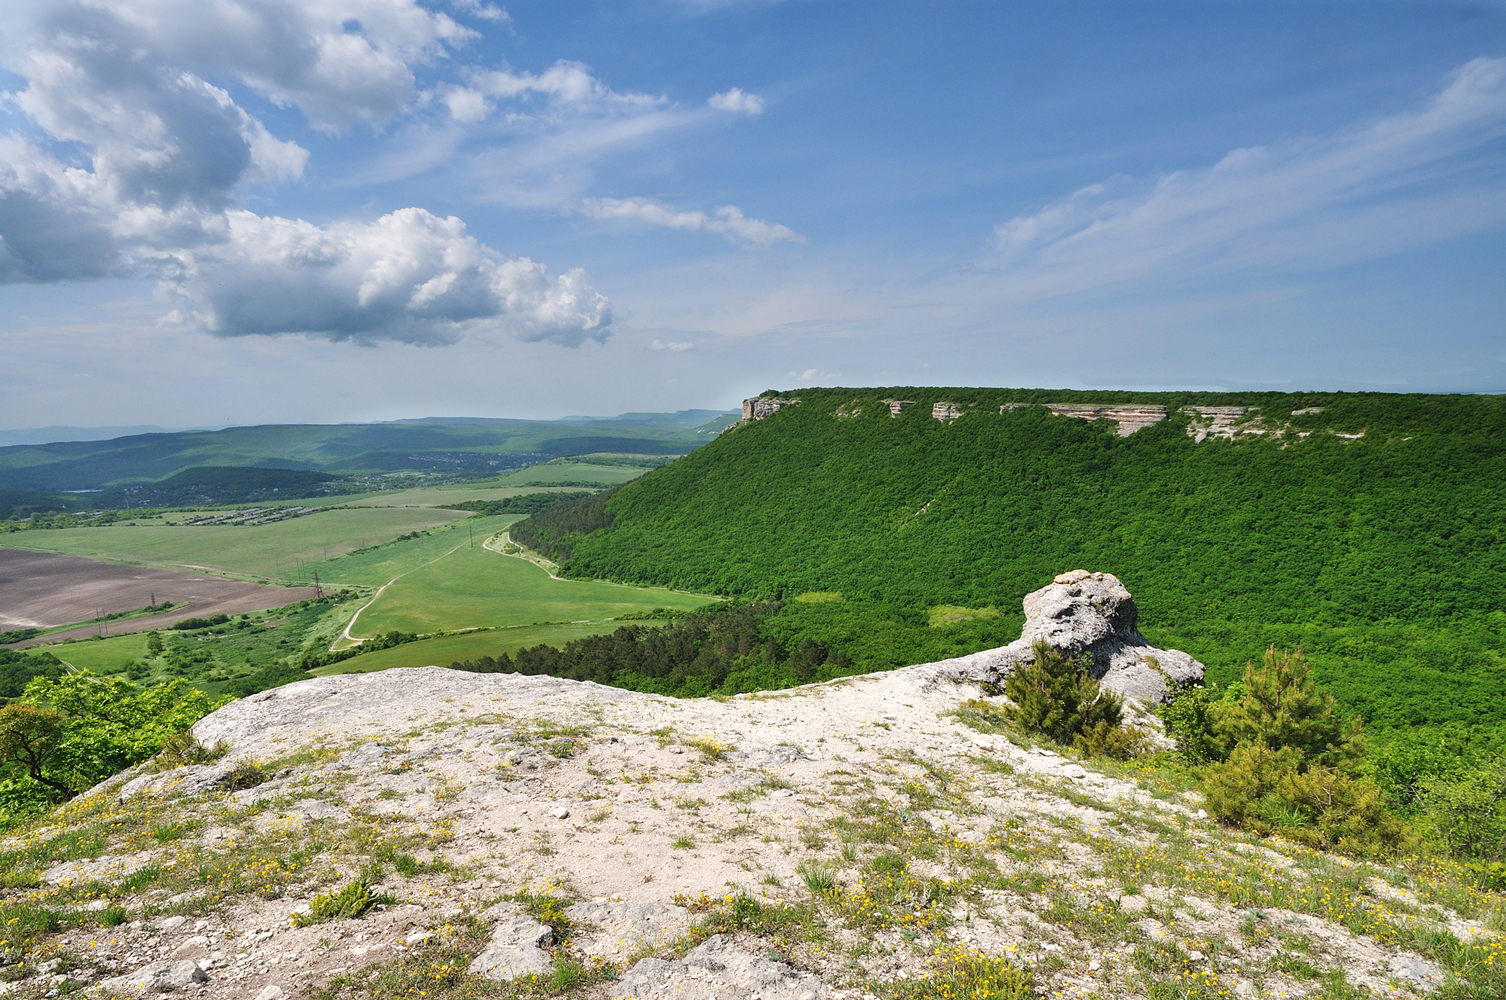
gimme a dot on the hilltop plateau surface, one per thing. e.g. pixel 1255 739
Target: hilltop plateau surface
pixel 842 839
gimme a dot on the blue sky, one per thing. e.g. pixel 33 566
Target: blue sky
pixel 266 211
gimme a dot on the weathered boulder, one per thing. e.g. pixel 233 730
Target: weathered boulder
pixel 717 969
pixel 159 977
pixel 615 930
pixel 1086 612
pixel 516 949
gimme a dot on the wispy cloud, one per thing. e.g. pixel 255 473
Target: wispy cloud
pixel 736 102
pixel 660 345
pixel 727 221
pixel 1395 183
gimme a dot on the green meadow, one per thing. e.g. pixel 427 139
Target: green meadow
pixel 440 496
pixel 101 655
pixel 269 551
pixel 472 586
pixel 449 649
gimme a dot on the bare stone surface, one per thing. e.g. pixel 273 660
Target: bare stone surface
pixel 158 977
pixel 1085 612
pixel 760 407
pixel 516 949
pixel 617 930
pixel 1129 418
pixel 717 969
pixel 188 780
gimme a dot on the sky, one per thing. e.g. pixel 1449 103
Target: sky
pixel 262 211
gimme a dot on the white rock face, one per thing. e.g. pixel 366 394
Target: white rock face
pixel 159 977
pixel 516 949
pixel 1092 612
pixel 614 931
pixel 717 969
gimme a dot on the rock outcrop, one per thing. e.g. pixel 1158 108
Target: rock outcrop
pixel 1086 612
pixel 717 969
pixel 764 406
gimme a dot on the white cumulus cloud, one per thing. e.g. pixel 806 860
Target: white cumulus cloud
pixel 727 221
pixel 136 165
pixel 1357 194
pixel 736 102
pixel 408 276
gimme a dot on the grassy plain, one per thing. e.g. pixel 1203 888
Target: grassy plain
pixel 471 646
pixel 438 496
pixel 566 471
pixel 473 586
pixel 269 551
pixel 101 655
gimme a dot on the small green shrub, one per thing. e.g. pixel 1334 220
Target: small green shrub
pixel 352 901
pixel 184 749
pixel 1056 696
pixel 818 878
pixel 1468 814
pixel 1119 742
pixel 1189 719
pixel 113 916
pixel 245 775
pixel 959 973
pixel 1295 769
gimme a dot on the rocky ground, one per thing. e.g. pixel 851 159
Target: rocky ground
pixel 527 835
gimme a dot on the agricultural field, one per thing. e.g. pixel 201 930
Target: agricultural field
pixel 266 551
pixel 472 586
pixel 450 649
pixel 44 590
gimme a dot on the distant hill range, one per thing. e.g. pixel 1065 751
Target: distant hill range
pixel 199 466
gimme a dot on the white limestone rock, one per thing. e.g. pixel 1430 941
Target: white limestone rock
pixel 516 949
pixel 717 969
pixel 615 931
pixel 1093 612
pixel 159 977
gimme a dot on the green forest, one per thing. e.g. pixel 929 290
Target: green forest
pixel 1365 528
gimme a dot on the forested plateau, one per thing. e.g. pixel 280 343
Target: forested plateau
pixel 1365 528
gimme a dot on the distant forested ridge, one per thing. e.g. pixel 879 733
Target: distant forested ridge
pixel 1366 527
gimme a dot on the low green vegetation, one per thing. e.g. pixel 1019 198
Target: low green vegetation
pixel 473 586
pixel 722 651
pixel 277 551
pixel 472 645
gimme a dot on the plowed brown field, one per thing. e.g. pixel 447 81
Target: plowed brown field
pixel 38 589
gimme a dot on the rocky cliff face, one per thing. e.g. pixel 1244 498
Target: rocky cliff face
pixel 1086 612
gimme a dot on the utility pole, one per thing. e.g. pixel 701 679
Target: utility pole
pixel 318 593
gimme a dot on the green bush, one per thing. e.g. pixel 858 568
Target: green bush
pixel 352 901
pixel 1295 768
pixel 67 734
pixel 1189 721
pixel 1057 697
pixel 1468 813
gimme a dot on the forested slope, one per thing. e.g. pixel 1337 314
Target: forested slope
pixel 1380 553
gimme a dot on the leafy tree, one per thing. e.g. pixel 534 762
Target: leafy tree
pixel 153 643
pixel 71 732
pixel 29 739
